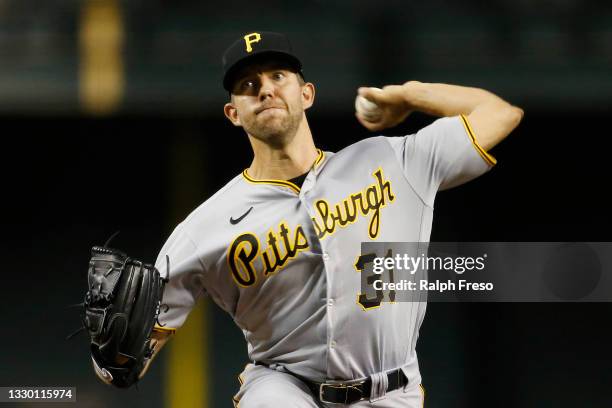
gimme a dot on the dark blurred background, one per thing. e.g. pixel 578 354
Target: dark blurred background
pixel 111 117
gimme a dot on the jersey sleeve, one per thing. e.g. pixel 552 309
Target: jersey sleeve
pixel 442 155
pixel 179 258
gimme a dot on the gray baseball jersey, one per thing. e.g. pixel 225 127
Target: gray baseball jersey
pixel 281 259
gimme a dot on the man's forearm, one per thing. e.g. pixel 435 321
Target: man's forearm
pixel 446 100
pixel 491 117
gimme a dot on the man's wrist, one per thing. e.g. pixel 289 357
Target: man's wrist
pixel 413 91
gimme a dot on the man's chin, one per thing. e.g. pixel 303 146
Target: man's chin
pixel 274 126
pixel 273 135
pixel 275 130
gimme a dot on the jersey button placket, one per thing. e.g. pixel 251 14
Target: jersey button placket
pixel 330 304
pixel 304 197
pixel 330 309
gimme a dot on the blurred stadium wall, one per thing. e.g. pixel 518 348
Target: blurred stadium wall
pixel 163 57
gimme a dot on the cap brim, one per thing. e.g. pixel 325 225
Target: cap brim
pixel 230 74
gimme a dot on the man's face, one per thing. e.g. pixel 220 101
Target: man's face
pixel 268 101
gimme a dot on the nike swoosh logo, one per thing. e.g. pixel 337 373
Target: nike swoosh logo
pixel 237 220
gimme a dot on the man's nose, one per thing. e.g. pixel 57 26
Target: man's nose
pixel 266 89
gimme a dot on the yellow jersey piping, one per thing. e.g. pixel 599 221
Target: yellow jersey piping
pixel 483 153
pixel 319 158
pixel 170 330
pixel 283 183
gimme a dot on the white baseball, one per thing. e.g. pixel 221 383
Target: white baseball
pixel 367 109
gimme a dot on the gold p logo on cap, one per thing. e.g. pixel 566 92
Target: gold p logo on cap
pixel 251 39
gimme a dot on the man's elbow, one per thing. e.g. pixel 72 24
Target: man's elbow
pixel 493 122
pixel 513 115
pixel 508 118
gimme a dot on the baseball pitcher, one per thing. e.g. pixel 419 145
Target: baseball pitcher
pixel 278 247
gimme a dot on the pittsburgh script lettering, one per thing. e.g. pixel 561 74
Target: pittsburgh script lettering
pixel 369 200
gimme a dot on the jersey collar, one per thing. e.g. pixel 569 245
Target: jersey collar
pixel 317 163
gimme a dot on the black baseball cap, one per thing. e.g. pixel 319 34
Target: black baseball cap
pixel 254 47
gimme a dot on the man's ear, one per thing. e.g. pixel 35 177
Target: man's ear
pixel 308 95
pixel 231 113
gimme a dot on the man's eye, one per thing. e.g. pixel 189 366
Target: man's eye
pixel 248 84
pixel 278 75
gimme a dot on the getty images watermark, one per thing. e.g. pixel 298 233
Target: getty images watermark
pixel 484 272
pixel 411 265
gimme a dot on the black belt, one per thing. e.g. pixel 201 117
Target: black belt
pixel 351 392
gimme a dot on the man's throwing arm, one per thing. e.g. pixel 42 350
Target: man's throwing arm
pixel 491 118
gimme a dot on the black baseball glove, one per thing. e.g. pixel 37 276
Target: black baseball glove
pixel 121 307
